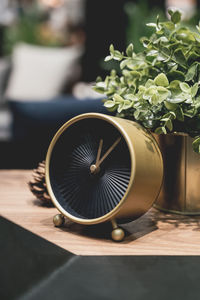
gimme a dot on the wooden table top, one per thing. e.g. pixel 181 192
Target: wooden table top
pixel 155 233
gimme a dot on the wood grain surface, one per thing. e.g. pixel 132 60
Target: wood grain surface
pixel 155 233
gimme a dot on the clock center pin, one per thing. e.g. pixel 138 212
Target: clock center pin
pixel 94 169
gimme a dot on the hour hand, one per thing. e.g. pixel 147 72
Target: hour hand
pixel 94 168
pixel 99 151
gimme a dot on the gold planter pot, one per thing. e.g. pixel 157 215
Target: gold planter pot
pixel 180 189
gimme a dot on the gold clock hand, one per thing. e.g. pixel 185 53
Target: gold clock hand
pixel 108 152
pixel 93 168
pixel 99 151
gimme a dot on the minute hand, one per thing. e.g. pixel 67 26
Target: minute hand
pixel 108 152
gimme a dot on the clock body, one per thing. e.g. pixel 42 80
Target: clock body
pixel 129 174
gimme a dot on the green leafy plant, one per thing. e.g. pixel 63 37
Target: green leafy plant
pixel 158 87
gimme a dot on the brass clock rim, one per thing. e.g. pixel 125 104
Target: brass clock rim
pixel 115 210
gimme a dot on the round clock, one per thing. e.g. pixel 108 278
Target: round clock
pixel 101 168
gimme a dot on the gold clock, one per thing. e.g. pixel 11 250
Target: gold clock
pixel 101 168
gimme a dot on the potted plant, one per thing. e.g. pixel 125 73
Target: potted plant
pixel 159 88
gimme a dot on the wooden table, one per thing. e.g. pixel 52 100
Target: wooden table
pixel 155 233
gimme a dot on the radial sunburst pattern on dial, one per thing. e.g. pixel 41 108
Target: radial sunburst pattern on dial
pixel 90 168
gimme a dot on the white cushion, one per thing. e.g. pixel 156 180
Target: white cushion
pixel 40 73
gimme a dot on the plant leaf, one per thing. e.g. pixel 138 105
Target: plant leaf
pixel 163 93
pixel 179 113
pixel 193 56
pixel 196 145
pixel 176 100
pixel 127 104
pixel 185 87
pixel 160 130
pixel 175 87
pixel 176 75
pixel 151 25
pixel 179 57
pixel 109 57
pixel 129 50
pixel 118 98
pixel 171 106
pixel 124 63
pixel 120 107
pixel 109 104
pixel 99 89
pixel 169 124
pixel 190 113
pixel 176 16
pixel 161 80
pixel 191 72
pixel 112 50
pixel 194 89
pixel 117 55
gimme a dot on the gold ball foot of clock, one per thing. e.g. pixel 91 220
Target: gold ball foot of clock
pixel 58 220
pixel 117 234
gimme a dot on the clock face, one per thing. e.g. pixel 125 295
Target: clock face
pixel 90 168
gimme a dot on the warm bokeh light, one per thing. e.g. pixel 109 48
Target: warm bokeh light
pixel 52 3
pixel 187 7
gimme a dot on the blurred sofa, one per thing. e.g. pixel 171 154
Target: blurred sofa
pixel 35 123
pixel 31 119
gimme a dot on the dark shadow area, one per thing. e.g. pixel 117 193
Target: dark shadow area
pixel 105 24
pixel 32 268
pixel 139 277
pixel 39 203
pixel 25 259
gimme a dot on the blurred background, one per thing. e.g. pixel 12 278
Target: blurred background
pixel 51 52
